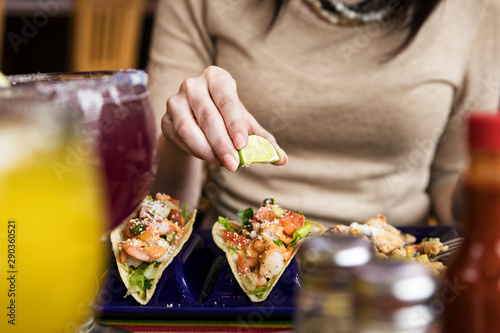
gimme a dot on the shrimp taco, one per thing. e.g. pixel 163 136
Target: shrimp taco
pixel 260 247
pixel 146 244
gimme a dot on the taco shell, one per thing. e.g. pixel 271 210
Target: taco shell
pixel 232 257
pixel 117 236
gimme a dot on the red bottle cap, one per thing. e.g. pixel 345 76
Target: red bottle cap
pixel 484 131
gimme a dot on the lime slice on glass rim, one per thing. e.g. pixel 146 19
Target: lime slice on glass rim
pixel 258 150
pixel 4 82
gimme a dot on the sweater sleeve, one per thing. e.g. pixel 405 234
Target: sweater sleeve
pixel 480 91
pixel 181 48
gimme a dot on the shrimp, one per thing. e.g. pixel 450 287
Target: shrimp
pixel 145 211
pixel 259 245
pixel 272 263
pixel 122 257
pixel 155 251
pixel 262 281
pixel 165 227
pixel 137 252
pixel 162 197
pixel 245 264
pixel 275 232
pixel 150 235
pixel 282 236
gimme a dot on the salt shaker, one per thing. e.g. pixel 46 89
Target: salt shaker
pixel 325 303
pixel 394 297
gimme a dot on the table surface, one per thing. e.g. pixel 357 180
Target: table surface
pixel 207 326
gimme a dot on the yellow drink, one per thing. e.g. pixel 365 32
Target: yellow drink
pixel 51 222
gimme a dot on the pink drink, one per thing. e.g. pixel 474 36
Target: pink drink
pixel 128 151
pixel 119 121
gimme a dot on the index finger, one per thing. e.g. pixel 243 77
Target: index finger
pixel 222 88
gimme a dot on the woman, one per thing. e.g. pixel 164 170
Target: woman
pixel 370 114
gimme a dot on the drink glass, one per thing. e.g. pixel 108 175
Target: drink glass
pixel 52 215
pixel 119 124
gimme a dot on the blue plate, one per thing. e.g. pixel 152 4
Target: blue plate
pixel 178 290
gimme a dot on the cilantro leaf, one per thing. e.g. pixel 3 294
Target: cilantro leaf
pixel 139 227
pixel 245 215
pixel 147 283
pixel 268 201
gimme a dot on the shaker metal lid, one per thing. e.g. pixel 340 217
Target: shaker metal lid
pixel 401 281
pixel 336 251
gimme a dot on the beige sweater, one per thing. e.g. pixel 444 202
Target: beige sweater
pixel 362 136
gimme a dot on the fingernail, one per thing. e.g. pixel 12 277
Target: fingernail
pixel 230 162
pixel 239 141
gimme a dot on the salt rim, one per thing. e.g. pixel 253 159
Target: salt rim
pixel 116 86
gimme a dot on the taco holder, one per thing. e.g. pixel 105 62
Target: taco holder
pixel 179 289
pixel 181 284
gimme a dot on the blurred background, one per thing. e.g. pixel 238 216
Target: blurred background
pixel 74 35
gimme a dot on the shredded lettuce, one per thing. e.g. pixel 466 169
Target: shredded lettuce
pixel 279 243
pixel 169 237
pixel 259 291
pixel 225 223
pixel 184 211
pixel 300 233
pixel 141 278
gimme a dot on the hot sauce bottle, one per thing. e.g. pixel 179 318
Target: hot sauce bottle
pixel 471 295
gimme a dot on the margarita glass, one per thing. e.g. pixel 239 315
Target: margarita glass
pixel 119 123
pixel 51 221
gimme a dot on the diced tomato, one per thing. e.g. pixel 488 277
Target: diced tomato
pixel 291 222
pixel 166 197
pixel 132 230
pixel 246 263
pixel 127 232
pixel 162 197
pixel 175 201
pixel 264 214
pixel 236 239
pixel 145 211
pixel 175 216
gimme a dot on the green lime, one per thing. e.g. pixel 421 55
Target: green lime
pixel 258 150
pixel 4 82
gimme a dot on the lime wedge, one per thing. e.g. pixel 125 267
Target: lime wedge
pixel 258 150
pixel 4 82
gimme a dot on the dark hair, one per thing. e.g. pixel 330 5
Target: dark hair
pixel 420 10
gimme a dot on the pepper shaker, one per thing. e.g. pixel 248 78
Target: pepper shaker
pixel 394 297
pixel 325 303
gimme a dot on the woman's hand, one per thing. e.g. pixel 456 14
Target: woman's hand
pixel 207 119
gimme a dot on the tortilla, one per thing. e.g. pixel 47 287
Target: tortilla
pixel 232 258
pixel 117 236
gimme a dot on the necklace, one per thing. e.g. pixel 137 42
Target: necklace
pixel 339 13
